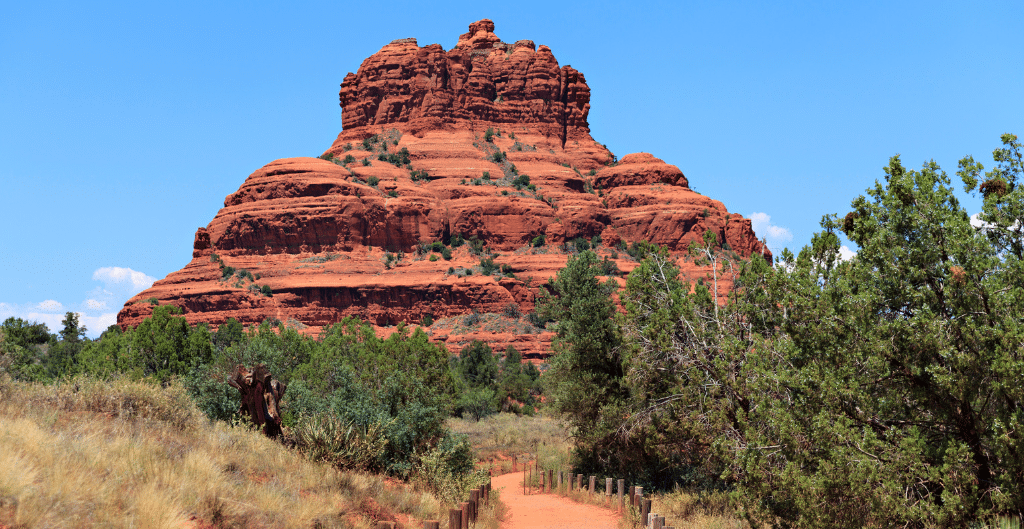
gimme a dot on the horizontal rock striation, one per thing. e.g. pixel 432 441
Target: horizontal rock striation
pixel 487 141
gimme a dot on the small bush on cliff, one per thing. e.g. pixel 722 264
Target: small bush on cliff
pixel 433 258
pixel 498 157
pixel 487 266
pixel 447 254
pixel 265 290
pixel 227 272
pixel 373 181
pixel 538 241
pixel 489 135
pixel 366 162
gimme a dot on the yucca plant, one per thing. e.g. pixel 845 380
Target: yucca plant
pixel 345 445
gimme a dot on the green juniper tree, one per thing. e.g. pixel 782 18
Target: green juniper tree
pixel 879 391
pixel 586 370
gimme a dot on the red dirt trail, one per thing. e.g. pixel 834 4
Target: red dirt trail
pixel 543 511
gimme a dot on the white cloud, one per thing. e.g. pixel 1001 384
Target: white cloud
pixel 763 228
pixel 845 253
pixel 50 305
pixel 94 312
pixel 116 275
pixel 95 304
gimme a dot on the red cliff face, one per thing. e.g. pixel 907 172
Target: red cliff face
pixel 487 141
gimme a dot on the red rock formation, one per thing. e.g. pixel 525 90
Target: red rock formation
pixel 318 234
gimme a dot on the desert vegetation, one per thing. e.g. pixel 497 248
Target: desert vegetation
pixel 877 391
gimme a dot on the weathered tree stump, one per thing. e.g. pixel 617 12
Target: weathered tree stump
pixel 261 397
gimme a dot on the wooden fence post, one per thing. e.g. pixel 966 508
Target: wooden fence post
pixel 464 506
pixel 474 502
pixel 622 499
pixel 561 475
pixel 608 489
pixel 551 478
pixel 579 481
pixel 454 519
pixel 645 509
pixel 431 524
pixel 593 484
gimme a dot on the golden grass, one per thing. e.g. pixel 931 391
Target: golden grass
pixel 498 437
pixel 87 453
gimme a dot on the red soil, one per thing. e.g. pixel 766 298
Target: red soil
pixel 548 510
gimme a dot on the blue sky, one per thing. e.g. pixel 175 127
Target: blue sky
pixel 124 125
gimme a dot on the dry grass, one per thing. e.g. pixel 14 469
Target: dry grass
pixel 121 454
pixel 497 438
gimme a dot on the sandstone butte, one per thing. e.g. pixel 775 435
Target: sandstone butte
pixel 318 234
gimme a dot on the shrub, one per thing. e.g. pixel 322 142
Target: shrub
pixel 437 246
pixel 457 240
pixel 476 246
pixel 227 272
pixel 591 172
pixel 420 175
pixel 471 319
pixel 366 162
pixel 489 135
pixel 487 176
pixel 487 266
pixel 580 244
pixel 447 254
pixel 506 269
pixel 433 258
pixel 427 320
pixel 344 445
pixel 392 193
pixel 373 181
pixel 265 290
pixel 521 181
pixel 538 241
pixel 512 311
pixel 498 156
pixel 348 159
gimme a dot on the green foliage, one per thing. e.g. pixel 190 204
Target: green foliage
pixel 365 162
pixel 498 157
pixel 348 159
pixel 586 375
pixel 446 253
pixel 489 135
pixel 433 258
pixel 487 266
pixel 882 391
pixel 266 291
pixel 476 246
pixel 418 175
pixel 373 181
pixel 227 272
pixel 521 181
pixel 539 241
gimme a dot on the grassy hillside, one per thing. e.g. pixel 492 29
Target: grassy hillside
pixel 125 454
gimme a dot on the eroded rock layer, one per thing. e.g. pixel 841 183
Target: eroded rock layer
pixel 487 141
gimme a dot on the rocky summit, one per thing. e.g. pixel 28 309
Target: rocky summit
pixel 486 145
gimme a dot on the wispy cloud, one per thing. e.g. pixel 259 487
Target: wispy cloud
pixel 775 235
pixel 845 253
pixel 50 305
pixel 95 312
